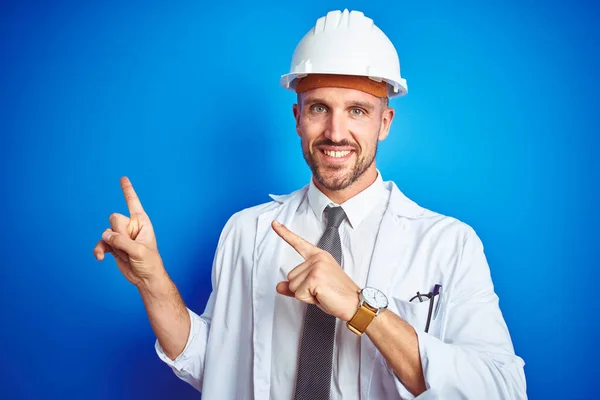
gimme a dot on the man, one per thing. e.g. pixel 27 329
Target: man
pixel 394 302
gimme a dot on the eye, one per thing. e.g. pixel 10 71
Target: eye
pixel 318 108
pixel 356 112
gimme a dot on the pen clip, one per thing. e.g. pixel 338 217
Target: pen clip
pixel 437 291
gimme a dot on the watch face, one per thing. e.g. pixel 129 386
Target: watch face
pixel 374 297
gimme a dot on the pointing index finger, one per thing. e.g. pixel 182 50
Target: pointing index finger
pixel 302 246
pixel 133 202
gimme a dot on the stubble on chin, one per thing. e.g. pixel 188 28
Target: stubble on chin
pixel 334 178
pixel 337 177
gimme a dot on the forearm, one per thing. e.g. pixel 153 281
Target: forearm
pixel 453 370
pixel 167 313
pixel 397 342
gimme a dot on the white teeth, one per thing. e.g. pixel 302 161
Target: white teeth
pixel 336 154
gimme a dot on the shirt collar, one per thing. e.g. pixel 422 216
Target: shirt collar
pixel 356 208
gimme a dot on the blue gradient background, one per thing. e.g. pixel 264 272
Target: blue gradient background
pixel 499 129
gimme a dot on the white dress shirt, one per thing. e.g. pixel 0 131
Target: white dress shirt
pixel 357 233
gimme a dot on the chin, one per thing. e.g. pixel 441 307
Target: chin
pixel 334 179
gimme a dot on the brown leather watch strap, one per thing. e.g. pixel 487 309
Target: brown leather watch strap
pixel 361 319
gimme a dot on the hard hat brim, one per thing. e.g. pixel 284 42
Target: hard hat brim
pixel 395 89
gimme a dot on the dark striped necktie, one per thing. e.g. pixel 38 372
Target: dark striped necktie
pixel 313 379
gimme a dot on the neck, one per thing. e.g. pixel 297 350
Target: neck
pixel 343 195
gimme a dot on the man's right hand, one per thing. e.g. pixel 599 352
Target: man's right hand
pixel 131 240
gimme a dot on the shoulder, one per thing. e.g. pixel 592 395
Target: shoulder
pixel 429 221
pixel 248 217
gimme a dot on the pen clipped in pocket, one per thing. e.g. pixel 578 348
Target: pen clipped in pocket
pixel 422 310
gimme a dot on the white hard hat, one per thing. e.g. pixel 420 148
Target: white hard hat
pixel 347 43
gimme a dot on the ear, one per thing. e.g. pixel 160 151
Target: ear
pixel 386 122
pixel 296 111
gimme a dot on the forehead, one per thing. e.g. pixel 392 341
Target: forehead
pixel 335 96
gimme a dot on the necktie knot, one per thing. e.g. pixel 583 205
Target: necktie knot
pixel 335 216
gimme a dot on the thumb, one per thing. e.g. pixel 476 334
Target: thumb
pixel 122 242
pixel 284 289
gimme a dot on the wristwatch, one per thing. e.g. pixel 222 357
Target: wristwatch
pixel 372 301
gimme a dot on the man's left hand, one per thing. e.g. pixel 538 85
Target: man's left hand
pixel 319 279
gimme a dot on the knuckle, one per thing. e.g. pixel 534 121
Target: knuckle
pixel 314 275
pixel 318 264
pixel 299 295
pixel 322 256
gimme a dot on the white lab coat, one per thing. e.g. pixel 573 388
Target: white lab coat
pixel 467 354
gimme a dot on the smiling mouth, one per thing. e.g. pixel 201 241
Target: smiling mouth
pixel 336 154
pixel 336 157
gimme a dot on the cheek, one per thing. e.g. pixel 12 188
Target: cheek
pixel 367 142
pixel 309 132
pixel 305 140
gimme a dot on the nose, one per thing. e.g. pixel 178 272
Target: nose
pixel 337 127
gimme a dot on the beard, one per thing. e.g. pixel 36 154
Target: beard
pixel 339 177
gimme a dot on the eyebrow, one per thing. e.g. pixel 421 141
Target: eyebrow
pixel 363 104
pixel 354 103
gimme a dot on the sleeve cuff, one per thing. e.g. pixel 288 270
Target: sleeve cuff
pixel 179 363
pixel 427 344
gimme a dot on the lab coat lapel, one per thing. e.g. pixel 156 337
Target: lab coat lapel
pixel 389 248
pixel 267 261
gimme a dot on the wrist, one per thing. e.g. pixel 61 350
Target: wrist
pixel 155 285
pixel 377 322
pixel 353 305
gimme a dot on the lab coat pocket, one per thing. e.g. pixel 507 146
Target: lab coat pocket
pixel 416 313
